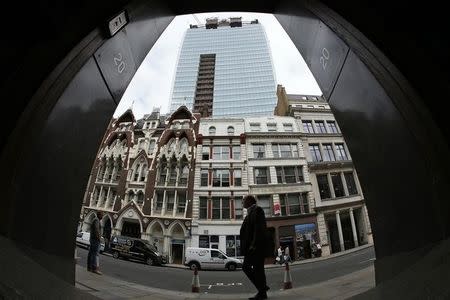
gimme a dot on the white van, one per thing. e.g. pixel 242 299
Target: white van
pixel 83 238
pixel 209 258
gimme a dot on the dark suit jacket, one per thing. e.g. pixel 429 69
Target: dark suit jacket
pixel 253 232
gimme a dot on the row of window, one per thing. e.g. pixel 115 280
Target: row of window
pixel 103 196
pixel 221 208
pixel 256 127
pixel 319 127
pixel 278 150
pixel 173 174
pixel 221 152
pixel 169 201
pixel 149 125
pixel 326 152
pixel 221 177
pixel 285 174
pixel 109 170
pixel 212 130
pixel 337 186
pixel 285 150
pixel 227 177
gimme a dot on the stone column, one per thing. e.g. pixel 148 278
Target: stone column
pixel 341 237
pixel 166 248
pixel 113 174
pixel 100 197
pixel 107 198
pixel 344 184
pixel 352 220
pixel 330 184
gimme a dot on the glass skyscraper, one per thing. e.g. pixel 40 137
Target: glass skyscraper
pixel 225 69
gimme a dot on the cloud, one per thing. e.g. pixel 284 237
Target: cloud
pixel 152 84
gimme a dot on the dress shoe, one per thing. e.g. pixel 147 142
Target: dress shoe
pixel 96 271
pixel 259 296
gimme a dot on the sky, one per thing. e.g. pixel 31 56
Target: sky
pixel 152 84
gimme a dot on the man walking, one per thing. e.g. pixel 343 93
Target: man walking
pixel 253 246
pixel 94 248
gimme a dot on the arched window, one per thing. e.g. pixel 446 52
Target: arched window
pixel 151 146
pixel 130 196
pixel 114 143
pixel 101 170
pixel 173 173
pixel 103 195
pixel 230 130
pixel 162 172
pixel 112 197
pixel 136 172
pixel 140 197
pixel 110 169
pixel 212 130
pixel 184 173
pixel 184 145
pixel 142 144
pixel 95 196
pixel 118 166
pixel 171 145
pixel 143 172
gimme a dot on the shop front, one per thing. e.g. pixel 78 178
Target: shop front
pixel 297 233
pixel 222 237
pixel 305 237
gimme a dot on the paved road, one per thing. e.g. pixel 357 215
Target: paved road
pixel 226 282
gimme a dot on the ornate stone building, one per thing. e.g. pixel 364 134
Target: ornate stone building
pixel 143 179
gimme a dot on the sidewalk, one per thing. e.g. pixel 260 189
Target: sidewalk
pixel 298 262
pixel 105 287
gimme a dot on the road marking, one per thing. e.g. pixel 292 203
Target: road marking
pixel 221 284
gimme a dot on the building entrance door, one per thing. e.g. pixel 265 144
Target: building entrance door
pixel 177 253
pixel 131 229
pixel 288 241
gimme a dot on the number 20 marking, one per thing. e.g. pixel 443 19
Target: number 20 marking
pixel 324 58
pixel 119 63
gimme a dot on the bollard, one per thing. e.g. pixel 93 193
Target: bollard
pixel 195 282
pixel 287 278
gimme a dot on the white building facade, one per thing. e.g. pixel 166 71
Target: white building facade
pixel 342 215
pixel 279 177
pixel 219 185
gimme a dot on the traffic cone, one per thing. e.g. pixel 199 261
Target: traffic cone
pixel 195 282
pixel 287 278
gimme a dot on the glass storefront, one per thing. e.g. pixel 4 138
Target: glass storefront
pixel 233 245
pixel 305 236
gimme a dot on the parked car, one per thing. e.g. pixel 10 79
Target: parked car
pixel 209 258
pixel 127 247
pixel 82 240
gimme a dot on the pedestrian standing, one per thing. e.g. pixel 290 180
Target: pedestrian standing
pixel 94 247
pixel 287 257
pixel 254 245
pixel 280 255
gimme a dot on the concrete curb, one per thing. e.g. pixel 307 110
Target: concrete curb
pixel 306 261
pixel 313 260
